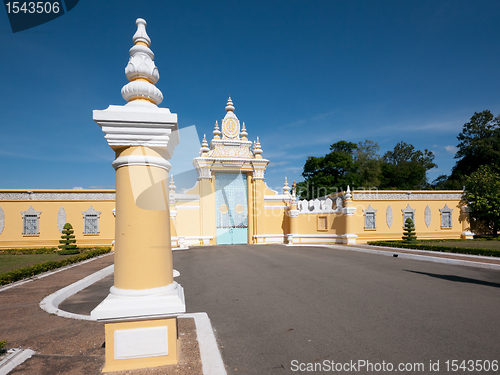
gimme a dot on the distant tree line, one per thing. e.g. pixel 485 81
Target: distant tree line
pixel 361 167
pixel 404 168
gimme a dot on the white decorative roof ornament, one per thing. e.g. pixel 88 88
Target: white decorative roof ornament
pixel 244 133
pixel 230 124
pixel 141 70
pixel 216 131
pixel 204 147
pixel 257 150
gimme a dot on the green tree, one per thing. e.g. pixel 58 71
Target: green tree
pixel 409 231
pixel 406 168
pixel 479 144
pixel 330 173
pixel 482 196
pixel 369 164
pixel 67 241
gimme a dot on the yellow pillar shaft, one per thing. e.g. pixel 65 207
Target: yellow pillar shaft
pixel 143 255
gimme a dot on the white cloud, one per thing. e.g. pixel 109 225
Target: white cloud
pixel 451 149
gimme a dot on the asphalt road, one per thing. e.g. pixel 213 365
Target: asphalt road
pixel 272 305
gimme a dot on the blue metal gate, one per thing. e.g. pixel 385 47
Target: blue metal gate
pixel 232 210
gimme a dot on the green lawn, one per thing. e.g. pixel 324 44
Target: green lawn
pixel 9 262
pixel 473 247
pixel 472 244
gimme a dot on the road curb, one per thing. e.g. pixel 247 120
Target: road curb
pixel 211 358
pixel 15 359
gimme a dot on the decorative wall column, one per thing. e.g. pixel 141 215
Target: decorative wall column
pixel 465 219
pixel 140 311
pixel 349 237
pixel 293 214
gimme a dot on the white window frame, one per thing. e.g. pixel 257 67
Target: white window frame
pixel 31 216
pixel 446 212
pixel 408 212
pixel 90 216
pixel 370 212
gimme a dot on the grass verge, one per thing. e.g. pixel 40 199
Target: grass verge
pixel 473 247
pixel 25 272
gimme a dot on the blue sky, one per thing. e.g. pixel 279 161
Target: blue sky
pixel 302 75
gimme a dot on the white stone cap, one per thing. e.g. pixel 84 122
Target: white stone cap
pixel 139 123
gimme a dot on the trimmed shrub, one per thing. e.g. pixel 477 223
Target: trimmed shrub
pixel 409 231
pixel 68 241
pixel 440 248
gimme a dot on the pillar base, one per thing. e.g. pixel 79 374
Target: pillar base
pixel 141 344
pixel 349 239
pixel 146 306
pixel 467 235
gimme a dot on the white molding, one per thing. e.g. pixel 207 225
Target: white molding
pixel 187 207
pixel 268 235
pixel 187 198
pixel 139 123
pixel 408 195
pixel 317 235
pixel 286 198
pixel 56 196
pixel 274 207
pixel 150 161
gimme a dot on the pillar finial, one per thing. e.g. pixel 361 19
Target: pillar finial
pixel 141 36
pixel 141 70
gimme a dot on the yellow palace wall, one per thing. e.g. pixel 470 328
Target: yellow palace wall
pixel 395 231
pixel 49 202
pixel 193 216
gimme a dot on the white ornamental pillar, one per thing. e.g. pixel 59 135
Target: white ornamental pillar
pixel 140 311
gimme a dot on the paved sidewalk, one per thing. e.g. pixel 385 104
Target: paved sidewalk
pixel 69 346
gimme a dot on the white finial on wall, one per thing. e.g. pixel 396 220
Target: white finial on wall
pixel 286 188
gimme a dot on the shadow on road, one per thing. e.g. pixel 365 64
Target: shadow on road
pixel 459 279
